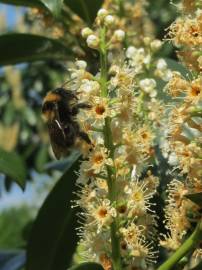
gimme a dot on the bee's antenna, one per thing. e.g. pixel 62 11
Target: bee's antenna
pixel 66 82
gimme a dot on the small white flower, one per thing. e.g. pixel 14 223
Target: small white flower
pixel 119 35
pixel 130 52
pixel 109 20
pixel 161 64
pixel 89 87
pixel 85 32
pixel 147 85
pixel 102 12
pixel 153 93
pixel 81 64
pixel 168 75
pixel 93 41
pixel 147 59
pixel 156 44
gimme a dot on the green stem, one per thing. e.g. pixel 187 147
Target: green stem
pixel 116 256
pixel 103 62
pixel 111 182
pixel 186 247
pixel 121 8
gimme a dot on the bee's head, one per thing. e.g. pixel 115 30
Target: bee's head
pixel 65 95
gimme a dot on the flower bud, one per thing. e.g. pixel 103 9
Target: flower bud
pixel 81 64
pixel 85 32
pixel 156 44
pixel 93 41
pixel 119 35
pixel 161 64
pixel 102 12
pixel 109 20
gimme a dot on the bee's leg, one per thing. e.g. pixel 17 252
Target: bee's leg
pixel 85 137
pixel 79 106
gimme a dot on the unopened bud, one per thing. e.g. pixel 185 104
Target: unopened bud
pixel 119 35
pixel 81 64
pixel 156 44
pixel 102 12
pixel 85 32
pixel 109 20
pixel 93 41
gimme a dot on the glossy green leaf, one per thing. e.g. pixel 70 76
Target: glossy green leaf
pixel 41 157
pixel 195 197
pixel 53 237
pixel 86 9
pixel 17 48
pixel 63 164
pixel 13 166
pixel 54 6
pixel 87 266
pixel 25 3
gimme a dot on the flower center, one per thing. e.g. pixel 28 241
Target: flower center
pixel 100 109
pixel 102 212
pixel 195 91
pixel 98 158
pixel 137 196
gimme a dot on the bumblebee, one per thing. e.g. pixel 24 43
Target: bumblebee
pixel 59 109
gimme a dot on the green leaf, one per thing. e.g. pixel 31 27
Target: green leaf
pixel 55 6
pixel 86 9
pixel 87 266
pixel 16 48
pixel 13 166
pixel 41 157
pixel 63 164
pixel 26 3
pixel 176 66
pixel 53 237
pixel 195 197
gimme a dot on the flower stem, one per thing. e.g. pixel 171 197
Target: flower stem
pixel 186 247
pixel 116 256
pixel 121 8
pixel 103 62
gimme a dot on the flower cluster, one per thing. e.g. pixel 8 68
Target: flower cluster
pixel 185 126
pixel 117 186
pixel 186 33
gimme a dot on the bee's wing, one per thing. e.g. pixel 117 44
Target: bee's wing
pixel 57 139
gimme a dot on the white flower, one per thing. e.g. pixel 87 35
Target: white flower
pixel 109 20
pixel 85 32
pixel 130 52
pixel 89 86
pixel 147 59
pixel 156 44
pixel 147 85
pixel 102 12
pixel 119 35
pixel 81 64
pixel 93 41
pixel 168 75
pixel 161 64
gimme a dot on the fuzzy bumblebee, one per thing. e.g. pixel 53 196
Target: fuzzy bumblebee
pixel 59 109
